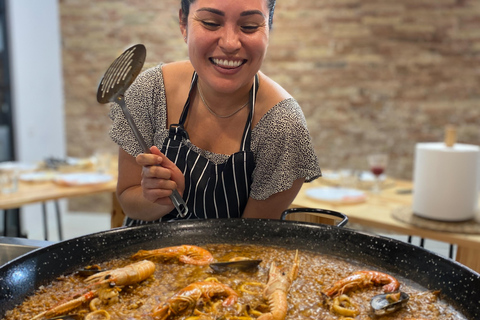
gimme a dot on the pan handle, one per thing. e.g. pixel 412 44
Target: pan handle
pixel 318 212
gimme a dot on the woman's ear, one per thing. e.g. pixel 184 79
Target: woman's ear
pixel 183 25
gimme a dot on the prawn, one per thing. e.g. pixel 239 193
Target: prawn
pixel 362 279
pixel 189 296
pixel 278 285
pixel 185 253
pixel 131 274
pixel 67 306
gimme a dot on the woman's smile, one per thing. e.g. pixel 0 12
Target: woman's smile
pixel 229 64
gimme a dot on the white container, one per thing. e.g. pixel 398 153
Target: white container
pixel 446 181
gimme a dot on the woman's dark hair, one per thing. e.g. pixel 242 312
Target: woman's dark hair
pixel 185 5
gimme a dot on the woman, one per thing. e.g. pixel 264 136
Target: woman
pixel 226 136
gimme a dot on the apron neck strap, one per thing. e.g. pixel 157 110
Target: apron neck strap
pixel 175 128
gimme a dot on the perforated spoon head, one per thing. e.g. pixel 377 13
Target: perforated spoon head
pixel 383 304
pixel 243 265
pixel 121 73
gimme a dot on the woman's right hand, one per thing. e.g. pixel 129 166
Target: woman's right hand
pixel 160 176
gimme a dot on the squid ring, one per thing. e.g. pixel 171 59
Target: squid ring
pixel 95 314
pixel 343 306
pixel 94 304
pixel 244 286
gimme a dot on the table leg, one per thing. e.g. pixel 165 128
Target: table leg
pixel 450 251
pixel 469 257
pixel 5 220
pixel 11 220
pixel 45 220
pixel 59 220
pixel 421 244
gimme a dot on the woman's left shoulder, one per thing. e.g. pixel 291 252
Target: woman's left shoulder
pixel 270 93
pixel 272 98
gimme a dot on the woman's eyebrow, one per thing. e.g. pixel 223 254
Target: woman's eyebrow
pixel 252 12
pixel 212 10
pixel 221 13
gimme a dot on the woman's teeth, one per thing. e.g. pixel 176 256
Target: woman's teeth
pixel 227 63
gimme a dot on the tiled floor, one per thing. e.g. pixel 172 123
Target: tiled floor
pixel 76 224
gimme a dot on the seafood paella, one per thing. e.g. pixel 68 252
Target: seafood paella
pixel 181 282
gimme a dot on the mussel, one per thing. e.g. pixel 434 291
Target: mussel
pixel 389 302
pixel 243 265
pixel 90 270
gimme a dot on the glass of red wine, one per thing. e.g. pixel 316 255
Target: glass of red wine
pixel 378 164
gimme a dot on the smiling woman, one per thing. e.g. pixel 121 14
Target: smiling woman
pixel 229 138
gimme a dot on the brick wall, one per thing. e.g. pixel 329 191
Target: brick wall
pixel 370 75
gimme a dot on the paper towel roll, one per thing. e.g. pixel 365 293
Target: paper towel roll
pixel 446 181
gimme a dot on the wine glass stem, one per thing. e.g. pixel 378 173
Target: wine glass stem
pixel 376 185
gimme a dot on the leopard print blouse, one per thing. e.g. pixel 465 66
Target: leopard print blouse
pixel 281 142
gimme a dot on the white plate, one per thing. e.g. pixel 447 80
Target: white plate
pixel 337 195
pixel 331 175
pixel 82 179
pixel 19 166
pixel 40 176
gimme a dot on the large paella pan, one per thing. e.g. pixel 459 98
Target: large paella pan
pixel 456 285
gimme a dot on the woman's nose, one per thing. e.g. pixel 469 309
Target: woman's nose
pixel 230 40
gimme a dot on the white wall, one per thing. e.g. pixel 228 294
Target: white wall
pixel 37 85
pixel 34 36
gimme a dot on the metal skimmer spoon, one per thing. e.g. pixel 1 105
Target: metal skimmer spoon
pixel 118 77
pixel 243 265
pixel 383 304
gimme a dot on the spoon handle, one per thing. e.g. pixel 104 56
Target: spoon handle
pixel 176 198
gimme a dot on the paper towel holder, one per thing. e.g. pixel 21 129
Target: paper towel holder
pixel 450 135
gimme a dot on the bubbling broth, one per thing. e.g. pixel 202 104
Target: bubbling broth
pixel 305 298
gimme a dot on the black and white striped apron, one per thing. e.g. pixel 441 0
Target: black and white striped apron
pixel 211 190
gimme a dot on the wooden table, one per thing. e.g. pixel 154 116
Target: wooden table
pixel 376 212
pixel 44 191
pixel 41 192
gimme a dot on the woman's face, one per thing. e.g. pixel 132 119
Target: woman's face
pixel 227 41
